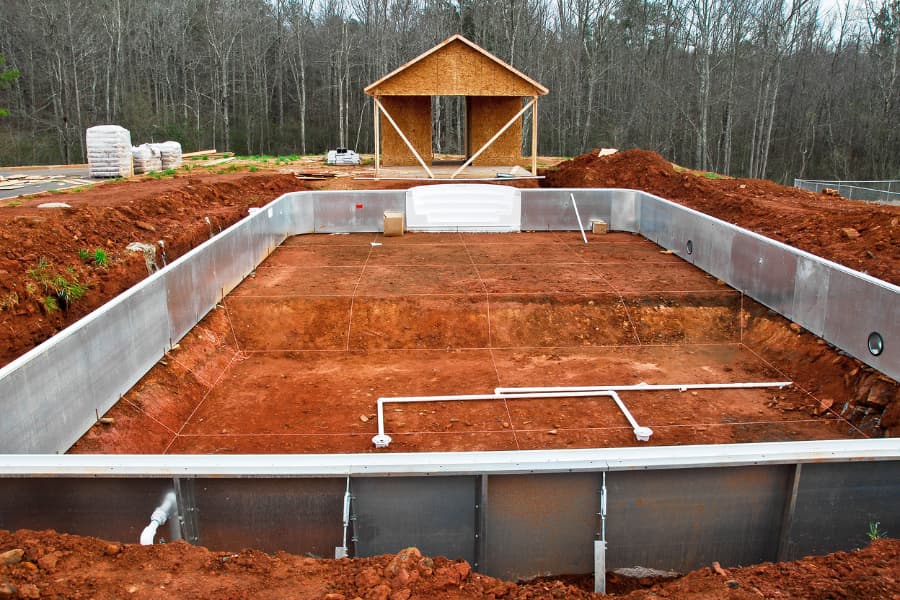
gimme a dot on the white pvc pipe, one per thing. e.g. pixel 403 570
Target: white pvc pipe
pixel 382 440
pixel 160 515
pixel 644 387
pixel 577 216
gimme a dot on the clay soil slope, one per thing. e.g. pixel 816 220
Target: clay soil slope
pixel 860 235
pixel 45 564
pixel 40 246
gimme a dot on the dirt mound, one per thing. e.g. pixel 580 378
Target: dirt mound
pixel 859 235
pixel 54 565
pixel 57 265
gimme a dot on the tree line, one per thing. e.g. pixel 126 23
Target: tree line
pixel 760 88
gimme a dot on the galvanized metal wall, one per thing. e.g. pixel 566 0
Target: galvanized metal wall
pixel 514 526
pixel 838 304
pixel 50 396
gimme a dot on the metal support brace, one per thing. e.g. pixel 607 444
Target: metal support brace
pixel 481 499
pixel 600 545
pixel 787 519
pixel 185 493
pixel 341 551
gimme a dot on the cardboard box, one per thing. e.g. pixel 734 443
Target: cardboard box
pixel 393 223
pixel 599 226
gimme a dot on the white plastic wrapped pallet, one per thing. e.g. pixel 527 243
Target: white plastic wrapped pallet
pixel 170 153
pixel 146 159
pixel 109 151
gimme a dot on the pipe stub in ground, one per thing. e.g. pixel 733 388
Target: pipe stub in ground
pixel 382 440
pixel 643 433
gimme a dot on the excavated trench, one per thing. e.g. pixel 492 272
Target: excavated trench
pixel 294 359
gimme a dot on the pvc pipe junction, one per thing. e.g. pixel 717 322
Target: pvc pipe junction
pixel 160 515
pixel 642 434
pixel 382 440
pixel 642 386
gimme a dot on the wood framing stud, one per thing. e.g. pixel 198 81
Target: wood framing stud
pixel 534 135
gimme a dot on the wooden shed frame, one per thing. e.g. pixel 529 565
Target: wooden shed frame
pixel 455 67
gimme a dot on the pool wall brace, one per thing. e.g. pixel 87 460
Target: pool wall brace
pixel 666 507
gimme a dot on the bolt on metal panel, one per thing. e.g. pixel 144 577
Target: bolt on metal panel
pixel 855 310
pixel 112 509
pixel 552 210
pixel 541 524
pixel 187 301
pixel 811 286
pixel 765 271
pixel 301 210
pixel 302 516
pixel 625 212
pixel 711 243
pixel 658 224
pixel 838 503
pixel 349 212
pixel 435 514
pixel 685 519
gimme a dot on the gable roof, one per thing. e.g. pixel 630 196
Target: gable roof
pixel 456 67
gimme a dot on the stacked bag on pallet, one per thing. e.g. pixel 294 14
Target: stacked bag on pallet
pixel 109 151
pixel 170 154
pixel 146 158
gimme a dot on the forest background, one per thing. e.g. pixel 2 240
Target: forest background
pixel 755 88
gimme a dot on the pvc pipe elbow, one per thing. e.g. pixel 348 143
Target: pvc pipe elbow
pixel 149 533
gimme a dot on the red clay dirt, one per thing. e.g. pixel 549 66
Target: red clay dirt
pixel 296 357
pixel 53 565
pixel 820 224
pixel 829 382
pixel 109 217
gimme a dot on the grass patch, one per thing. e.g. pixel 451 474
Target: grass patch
pixel 56 290
pixel 99 257
pixel 14 203
pixel 161 174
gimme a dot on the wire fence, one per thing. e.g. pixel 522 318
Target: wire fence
pixel 885 191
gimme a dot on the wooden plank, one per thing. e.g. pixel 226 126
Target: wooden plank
pixel 376 122
pixel 493 139
pixel 218 161
pixel 405 140
pixel 198 153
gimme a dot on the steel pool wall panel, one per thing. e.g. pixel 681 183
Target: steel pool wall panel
pixel 857 308
pixel 351 212
pixel 434 514
pixel 688 518
pixel 201 278
pixel 540 524
pixel 112 509
pixel 51 395
pixel 301 211
pixel 836 303
pixel 552 210
pixel 303 516
pixel 837 502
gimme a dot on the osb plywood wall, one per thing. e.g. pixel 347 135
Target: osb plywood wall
pixel 485 116
pixel 413 115
pixel 455 70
